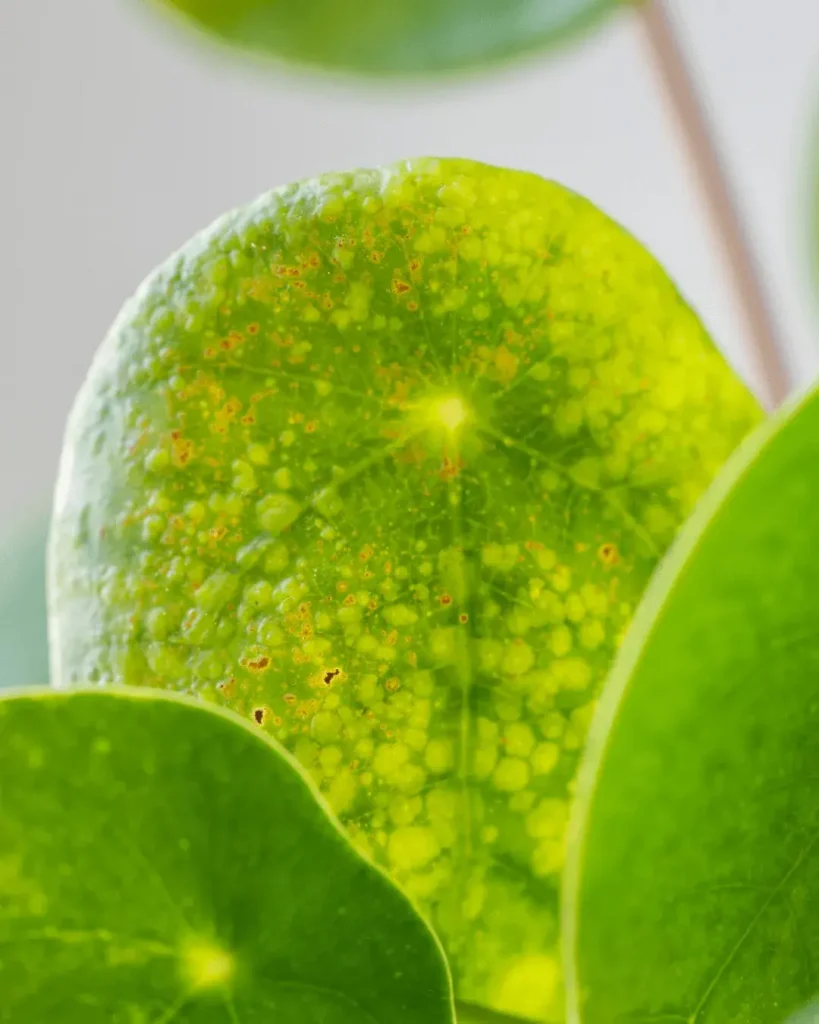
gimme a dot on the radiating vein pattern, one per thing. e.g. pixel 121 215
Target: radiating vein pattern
pixel 385 461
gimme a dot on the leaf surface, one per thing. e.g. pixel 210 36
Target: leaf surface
pixel 693 888
pixel 161 861
pixel 384 461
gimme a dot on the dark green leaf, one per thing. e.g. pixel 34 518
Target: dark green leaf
pixel 398 37
pixel 161 861
pixel 693 889
pixel 385 461
pixel 23 643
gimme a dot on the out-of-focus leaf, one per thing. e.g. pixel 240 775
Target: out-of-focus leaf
pixel 395 37
pixel 693 888
pixel 161 861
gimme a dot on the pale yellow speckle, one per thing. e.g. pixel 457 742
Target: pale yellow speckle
pixel 511 775
pixel 439 756
pixel 545 758
pixel 528 986
pixel 412 847
pixel 451 412
pixel 560 641
pixel 520 739
pixel 205 965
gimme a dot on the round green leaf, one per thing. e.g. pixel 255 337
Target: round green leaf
pixel 693 890
pixel 384 461
pixel 160 861
pixel 399 37
pixel 23 641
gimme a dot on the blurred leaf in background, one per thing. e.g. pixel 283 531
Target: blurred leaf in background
pixel 391 37
pixel 23 640
pixel 166 842
pixel 693 890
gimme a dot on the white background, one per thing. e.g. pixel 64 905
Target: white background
pixel 119 138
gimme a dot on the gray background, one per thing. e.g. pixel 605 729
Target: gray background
pixel 119 138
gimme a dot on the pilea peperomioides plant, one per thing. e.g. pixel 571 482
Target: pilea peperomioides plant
pixel 383 462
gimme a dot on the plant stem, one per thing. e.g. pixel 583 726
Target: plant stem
pixel 766 345
pixel 469 1013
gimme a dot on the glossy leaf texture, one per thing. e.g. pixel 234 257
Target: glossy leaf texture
pixel 693 888
pixel 162 861
pixel 23 639
pixel 384 462
pixel 399 37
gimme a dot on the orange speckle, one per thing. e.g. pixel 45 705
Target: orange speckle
pixel 227 687
pixel 609 554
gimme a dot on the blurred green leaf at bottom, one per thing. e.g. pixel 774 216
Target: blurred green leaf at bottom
pixel 160 861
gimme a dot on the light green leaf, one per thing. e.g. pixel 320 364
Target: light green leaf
pixel 23 642
pixel 693 888
pixel 395 37
pixel 384 461
pixel 160 861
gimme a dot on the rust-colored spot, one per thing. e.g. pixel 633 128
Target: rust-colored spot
pixel 609 554
pixel 311 427
pixel 261 715
pixel 463 617
pixel 392 684
pixel 400 287
pixel 289 698
pixel 330 675
pixel 445 599
pixel 258 664
pixel 253 328
pixel 412 307
pixel 450 468
pixel 227 687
